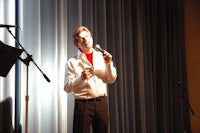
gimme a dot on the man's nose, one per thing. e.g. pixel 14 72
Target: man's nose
pixel 84 40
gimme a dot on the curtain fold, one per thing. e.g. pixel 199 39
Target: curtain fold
pixel 146 39
pixel 7 85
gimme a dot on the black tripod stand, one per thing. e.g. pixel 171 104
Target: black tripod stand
pixel 27 61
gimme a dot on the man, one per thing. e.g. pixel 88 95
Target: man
pixel 87 75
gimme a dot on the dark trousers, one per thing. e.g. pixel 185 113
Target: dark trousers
pixel 91 112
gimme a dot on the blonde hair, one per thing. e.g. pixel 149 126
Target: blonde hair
pixel 77 32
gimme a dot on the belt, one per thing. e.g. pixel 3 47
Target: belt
pixel 93 99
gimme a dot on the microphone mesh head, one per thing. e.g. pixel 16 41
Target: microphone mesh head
pixel 97 47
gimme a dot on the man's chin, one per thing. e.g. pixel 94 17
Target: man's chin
pixel 89 46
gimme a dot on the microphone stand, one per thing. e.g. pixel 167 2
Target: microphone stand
pixel 26 61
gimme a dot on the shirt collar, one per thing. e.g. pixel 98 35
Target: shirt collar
pixel 80 55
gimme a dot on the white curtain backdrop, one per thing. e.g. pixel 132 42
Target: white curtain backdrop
pixel 7 16
pixel 43 35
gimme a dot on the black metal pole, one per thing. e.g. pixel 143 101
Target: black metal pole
pixel 17 127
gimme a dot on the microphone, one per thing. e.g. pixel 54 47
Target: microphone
pixel 98 48
pixel 107 56
pixel 7 26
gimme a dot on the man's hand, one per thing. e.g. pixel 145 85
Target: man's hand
pixel 107 56
pixel 87 73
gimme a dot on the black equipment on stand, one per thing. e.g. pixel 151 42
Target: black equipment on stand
pixel 26 61
pixel 8 57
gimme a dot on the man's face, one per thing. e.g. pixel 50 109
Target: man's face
pixel 85 41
